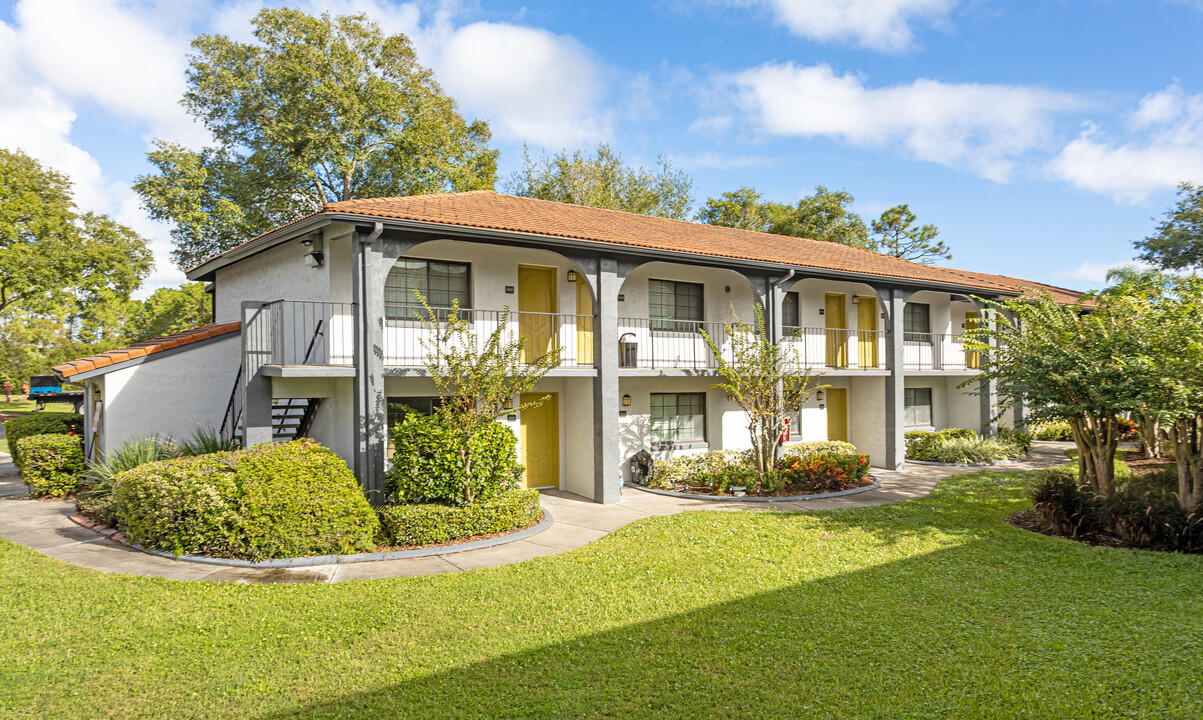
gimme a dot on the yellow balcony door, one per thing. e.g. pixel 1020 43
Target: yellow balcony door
pixel 837 414
pixel 973 360
pixel 539 434
pixel 837 330
pixel 866 331
pixel 536 308
pixel 584 322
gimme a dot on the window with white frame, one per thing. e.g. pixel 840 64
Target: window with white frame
pixel 441 283
pixel 678 417
pixel 917 408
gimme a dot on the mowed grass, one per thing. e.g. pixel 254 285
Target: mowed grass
pixel 933 608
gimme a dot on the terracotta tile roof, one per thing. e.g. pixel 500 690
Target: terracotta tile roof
pixel 142 349
pixel 489 210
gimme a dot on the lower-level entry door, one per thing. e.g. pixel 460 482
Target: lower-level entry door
pixel 539 434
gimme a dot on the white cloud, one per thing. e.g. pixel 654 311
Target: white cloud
pixel 1162 147
pixel 115 55
pixel 532 85
pixel 885 25
pixel 983 128
pixel 716 161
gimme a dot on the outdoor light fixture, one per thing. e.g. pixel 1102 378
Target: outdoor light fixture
pixel 856 299
pixel 626 400
pixel 572 276
pixel 315 258
pixel 819 396
pixel 508 404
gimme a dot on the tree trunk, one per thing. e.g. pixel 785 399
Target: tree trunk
pixel 1148 426
pixel 1186 436
pixel 1097 440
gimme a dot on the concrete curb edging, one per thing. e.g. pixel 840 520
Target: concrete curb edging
pixel 523 534
pixel 1023 459
pixel 789 498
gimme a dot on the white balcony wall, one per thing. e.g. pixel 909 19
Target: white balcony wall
pixel 721 289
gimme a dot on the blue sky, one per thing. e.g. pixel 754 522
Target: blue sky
pixel 1042 137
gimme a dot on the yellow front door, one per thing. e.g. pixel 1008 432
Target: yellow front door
pixel 973 360
pixel 866 331
pixel 584 322
pixel 837 414
pixel 536 308
pixel 539 434
pixel 837 330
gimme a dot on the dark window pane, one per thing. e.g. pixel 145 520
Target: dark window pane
pixel 441 283
pixel 669 300
pixel 916 318
pixel 789 311
pixel 918 407
pixel 678 417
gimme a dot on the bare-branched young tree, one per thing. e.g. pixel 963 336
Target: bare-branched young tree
pixel 765 380
pixel 476 380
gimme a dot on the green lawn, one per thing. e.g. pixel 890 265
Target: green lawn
pixel 928 609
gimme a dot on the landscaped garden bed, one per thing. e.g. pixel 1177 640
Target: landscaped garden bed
pixel 806 469
pixel 1142 513
pixel 961 446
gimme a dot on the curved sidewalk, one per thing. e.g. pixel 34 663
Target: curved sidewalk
pixel 44 527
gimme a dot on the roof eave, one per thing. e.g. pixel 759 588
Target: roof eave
pixel 207 270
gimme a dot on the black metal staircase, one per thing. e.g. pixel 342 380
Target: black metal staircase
pixel 291 418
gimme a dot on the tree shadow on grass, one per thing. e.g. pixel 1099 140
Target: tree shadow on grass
pixel 939 634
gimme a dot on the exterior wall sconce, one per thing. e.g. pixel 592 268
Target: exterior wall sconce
pixel 819 396
pixel 626 400
pixel 572 276
pixel 315 258
pixel 508 404
pixel 856 299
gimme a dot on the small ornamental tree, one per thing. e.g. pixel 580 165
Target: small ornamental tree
pixel 1083 362
pixel 1172 327
pixel 762 379
pixel 476 379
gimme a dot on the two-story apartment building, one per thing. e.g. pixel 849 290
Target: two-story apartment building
pixel 316 331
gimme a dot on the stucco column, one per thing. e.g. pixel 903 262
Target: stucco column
pixel 893 301
pixel 257 338
pixel 607 473
pixel 988 389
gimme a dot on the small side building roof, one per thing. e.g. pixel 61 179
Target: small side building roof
pixel 144 349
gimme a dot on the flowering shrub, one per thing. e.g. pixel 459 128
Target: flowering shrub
pixel 827 472
pixel 1127 429
pixel 695 469
pixel 1057 430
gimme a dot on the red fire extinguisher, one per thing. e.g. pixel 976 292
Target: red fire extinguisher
pixel 785 435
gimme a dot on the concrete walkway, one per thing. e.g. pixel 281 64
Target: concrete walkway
pixel 44 527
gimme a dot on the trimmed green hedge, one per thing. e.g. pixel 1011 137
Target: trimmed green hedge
pixel 52 465
pixel 920 444
pixel 430 523
pixel 818 447
pixel 270 501
pixel 42 423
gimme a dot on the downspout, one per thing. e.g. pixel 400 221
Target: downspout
pixel 361 363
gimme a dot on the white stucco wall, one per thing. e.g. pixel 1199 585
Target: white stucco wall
pixel 575 430
pixel 963 410
pixel 721 289
pixel 867 416
pixel 276 274
pixel 170 395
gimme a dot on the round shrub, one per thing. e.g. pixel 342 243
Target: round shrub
pixel 427 467
pixel 52 465
pixel 274 500
pixel 1052 430
pixel 429 523
pixel 824 472
pixel 42 423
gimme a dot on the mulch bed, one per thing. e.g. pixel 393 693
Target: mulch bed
pixel 788 491
pixel 1029 520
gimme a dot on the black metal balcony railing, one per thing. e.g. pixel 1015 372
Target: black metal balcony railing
pixel 824 348
pixel 408 341
pixel 292 332
pixel 937 351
